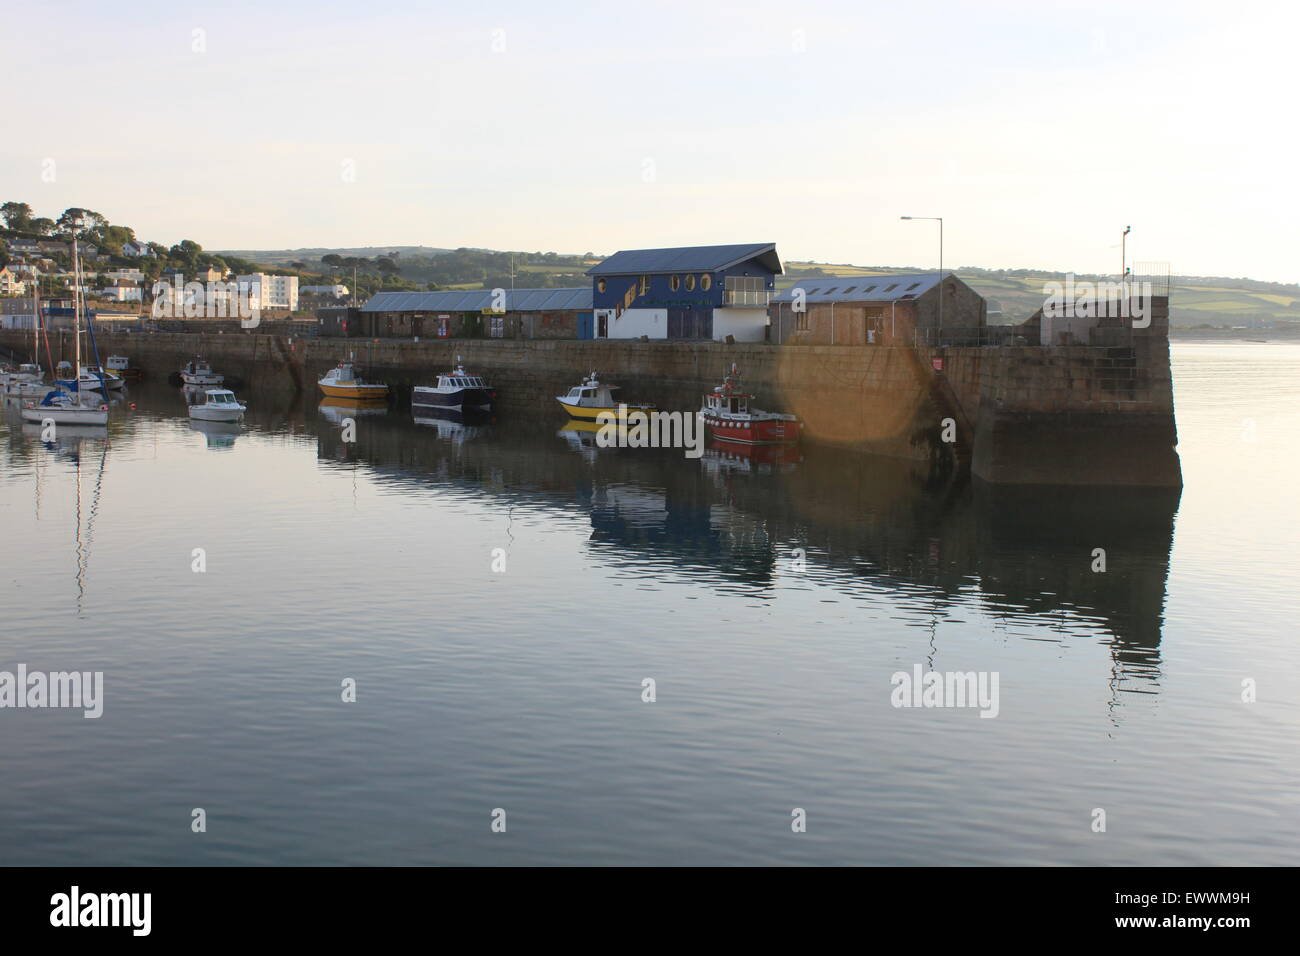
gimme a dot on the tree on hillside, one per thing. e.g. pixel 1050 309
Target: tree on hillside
pixel 43 226
pixel 387 267
pixel 91 221
pixel 17 216
pixel 332 260
pixel 186 254
pixel 112 238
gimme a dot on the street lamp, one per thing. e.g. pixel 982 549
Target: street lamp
pixel 939 220
pixel 1123 252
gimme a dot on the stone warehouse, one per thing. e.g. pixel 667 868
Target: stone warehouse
pixel 877 310
pixel 475 313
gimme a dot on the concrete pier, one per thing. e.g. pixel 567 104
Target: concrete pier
pixel 1013 415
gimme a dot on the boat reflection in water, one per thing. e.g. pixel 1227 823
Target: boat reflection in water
pixel 220 435
pixel 867 524
pixel 454 424
pixel 336 410
pixel 721 457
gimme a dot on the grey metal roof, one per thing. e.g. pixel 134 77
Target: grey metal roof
pixel 883 288
pixel 686 259
pixel 476 300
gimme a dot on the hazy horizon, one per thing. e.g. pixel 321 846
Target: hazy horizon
pixel 579 127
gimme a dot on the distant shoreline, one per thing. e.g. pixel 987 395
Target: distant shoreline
pixel 1233 335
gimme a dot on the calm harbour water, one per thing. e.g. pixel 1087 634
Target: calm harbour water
pixel 522 690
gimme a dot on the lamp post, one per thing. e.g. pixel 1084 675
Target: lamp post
pixel 939 220
pixel 1123 253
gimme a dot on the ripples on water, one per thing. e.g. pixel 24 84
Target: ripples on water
pixel 522 690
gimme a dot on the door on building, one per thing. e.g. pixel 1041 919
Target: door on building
pixel 602 324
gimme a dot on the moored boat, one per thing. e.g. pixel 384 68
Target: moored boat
pixel 121 366
pixel 217 405
pixel 342 381
pixel 65 408
pixel 455 389
pixel 198 371
pixel 28 379
pixel 729 417
pixel 588 400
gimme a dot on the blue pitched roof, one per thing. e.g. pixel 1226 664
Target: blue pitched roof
pixel 686 259
pixel 476 300
pixel 882 288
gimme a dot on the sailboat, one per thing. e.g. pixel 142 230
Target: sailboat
pixel 60 405
pixel 29 379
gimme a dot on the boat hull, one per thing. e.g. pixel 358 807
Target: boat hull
pixel 189 378
pixel 422 396
pixel 589 413
pixel 66 416
pixel 370 392
pixel 205 414
pixel 753 431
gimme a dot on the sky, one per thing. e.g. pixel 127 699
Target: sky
pixel 1037 130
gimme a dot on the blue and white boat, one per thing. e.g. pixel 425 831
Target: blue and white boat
pixel 455 389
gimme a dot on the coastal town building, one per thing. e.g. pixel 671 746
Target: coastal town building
pixel 692 292
pixel 12 282
pixel 122 290
pixel 324 291
pixel 135 248
pixel 876 310
pixel 472 313
pixel 271 291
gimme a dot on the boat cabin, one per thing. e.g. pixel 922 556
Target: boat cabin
pixel 219 398
pixel 724 400
pixel 459 378
pixel 591 393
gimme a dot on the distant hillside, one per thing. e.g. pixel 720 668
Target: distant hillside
pixel 1196 300
pixel 273 257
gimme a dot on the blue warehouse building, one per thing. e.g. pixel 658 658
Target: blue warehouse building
pixel 693 292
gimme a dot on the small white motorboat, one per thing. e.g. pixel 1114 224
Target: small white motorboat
pixel 27 380
pixel 198 372
pixel 217 405
pixel 586 402
pixel 66 408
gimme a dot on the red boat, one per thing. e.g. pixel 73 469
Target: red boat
pixel 727 413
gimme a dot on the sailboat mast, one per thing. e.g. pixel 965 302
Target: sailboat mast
pixel 76 304
pixel 36 320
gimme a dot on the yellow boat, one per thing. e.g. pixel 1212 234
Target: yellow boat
pixel 586 401
pixel 344 382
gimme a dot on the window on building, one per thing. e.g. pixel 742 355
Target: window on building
pixel 600 285
pixel 674 282
pixel 913 286
pixel 690 283
pixel 892 287
pixel 706 282
pixel 868 289
pixel 801 321
pixel 497 326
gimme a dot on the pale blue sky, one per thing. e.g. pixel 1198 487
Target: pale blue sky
pixel 1038 130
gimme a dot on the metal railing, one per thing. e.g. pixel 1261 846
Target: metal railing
pixel 754 297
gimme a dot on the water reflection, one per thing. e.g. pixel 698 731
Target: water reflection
pixel 737 517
